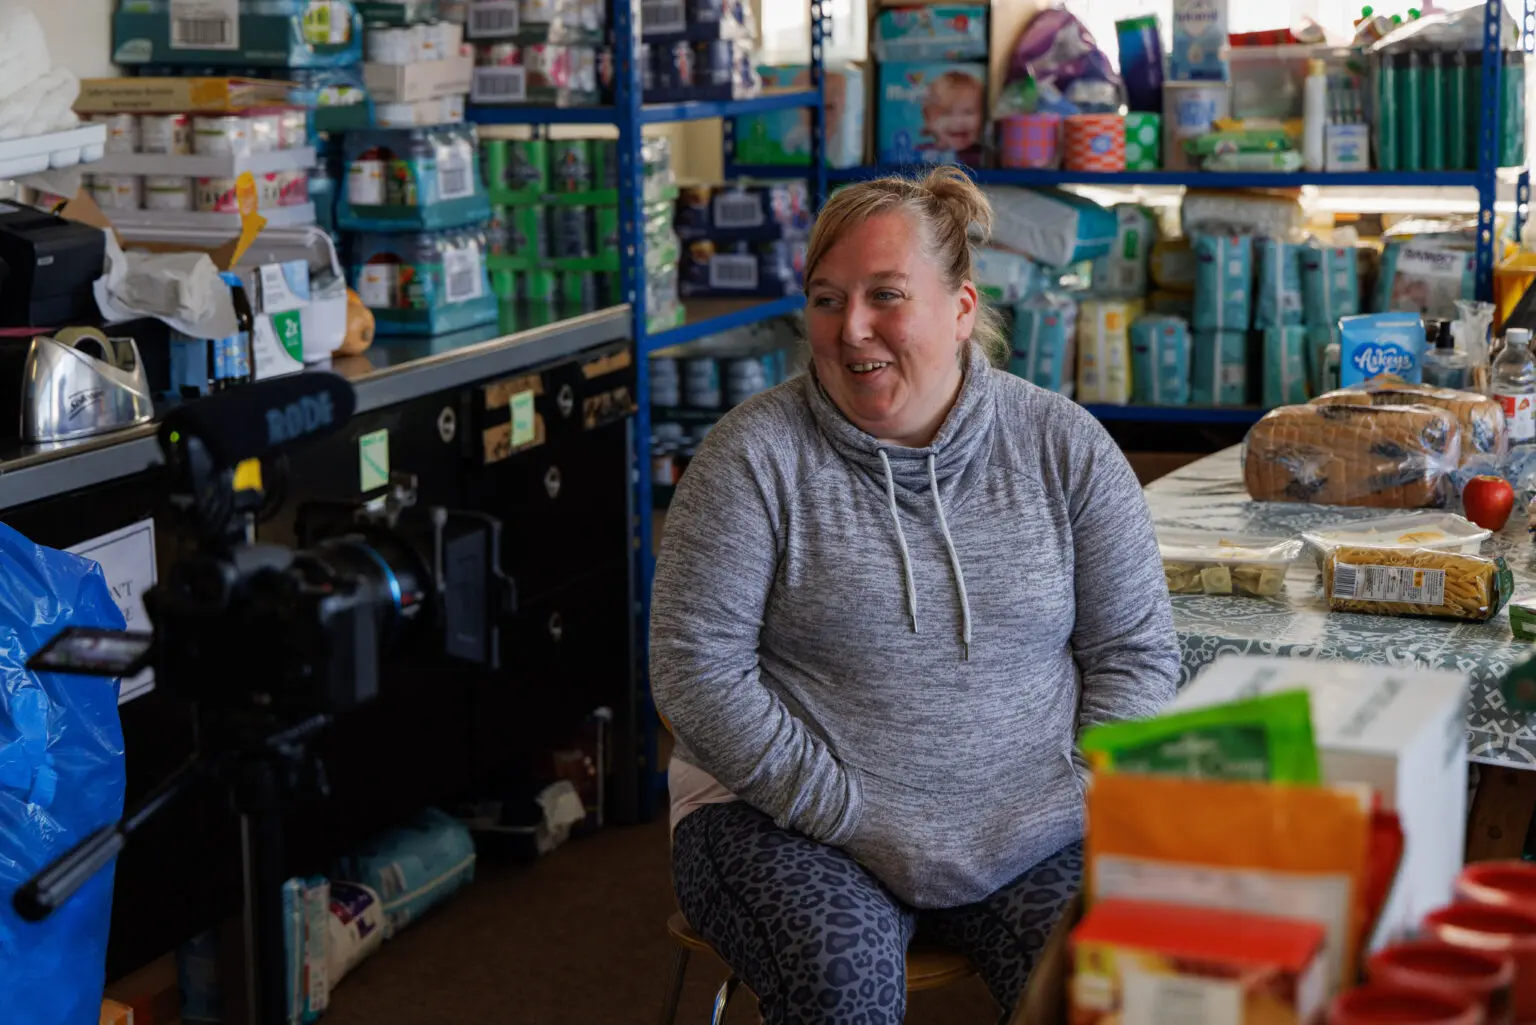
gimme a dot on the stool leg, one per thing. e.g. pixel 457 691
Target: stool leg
pixel 674 986
pixel 723 1000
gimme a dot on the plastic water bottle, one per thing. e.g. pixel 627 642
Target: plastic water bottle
pixel 1514 385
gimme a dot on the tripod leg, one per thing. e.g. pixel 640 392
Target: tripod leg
pixel 261 834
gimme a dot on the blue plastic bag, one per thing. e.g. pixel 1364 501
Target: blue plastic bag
pixel 61 778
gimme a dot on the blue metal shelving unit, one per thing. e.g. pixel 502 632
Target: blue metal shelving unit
pixel 628 113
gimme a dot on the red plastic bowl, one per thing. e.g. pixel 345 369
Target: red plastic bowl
pixel 1483 976
pixel 1505 884
pixel 1379 1004
pixel 1498 930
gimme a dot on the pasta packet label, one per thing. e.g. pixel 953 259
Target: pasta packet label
pixel 1390 583
pixel 1266 739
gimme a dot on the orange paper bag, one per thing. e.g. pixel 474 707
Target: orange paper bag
pixel 1288 851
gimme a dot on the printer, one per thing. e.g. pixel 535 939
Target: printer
pixel 48 266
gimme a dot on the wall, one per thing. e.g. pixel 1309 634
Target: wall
pixel 79 34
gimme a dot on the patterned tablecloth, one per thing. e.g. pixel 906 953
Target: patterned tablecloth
pixel 1209 495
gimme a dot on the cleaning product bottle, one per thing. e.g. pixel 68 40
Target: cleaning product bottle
pixel 1444 366
pixel 1315 115
pixel 1514 385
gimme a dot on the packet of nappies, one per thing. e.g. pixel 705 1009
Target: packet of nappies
pixel 1278 284
pixel 1425 276
pixel 1330 284
pixel 930 33
pixel 1122 272
pixel 1223 282
pixel 1160 351
pixel 1381 343
pixel 1044 340
pixel 1005 277
pixel 1318 340
pixel 1104 351
pixel 1219 374
pixel 1285 365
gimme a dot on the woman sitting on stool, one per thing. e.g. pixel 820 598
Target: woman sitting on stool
pixel 891 592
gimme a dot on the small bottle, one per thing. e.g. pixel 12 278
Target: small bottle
pixel 1315 115
pixel 1514 385
pixel 1444 367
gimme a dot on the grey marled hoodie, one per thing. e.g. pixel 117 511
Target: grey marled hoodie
pixel 903 673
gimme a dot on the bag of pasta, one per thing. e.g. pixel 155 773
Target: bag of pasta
pixel 1415 582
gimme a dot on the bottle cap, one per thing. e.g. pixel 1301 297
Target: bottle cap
pixel 1316 67
pixel 1517 334
pixel 1443 337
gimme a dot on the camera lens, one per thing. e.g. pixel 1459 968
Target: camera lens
pixel 387 573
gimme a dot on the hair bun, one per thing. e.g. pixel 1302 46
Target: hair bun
pixel 961 200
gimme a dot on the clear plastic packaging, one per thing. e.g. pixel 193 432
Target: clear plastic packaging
pixel 1415 582
pixel 1484 434
pixel 1209 562
pixel 1442 532
pixel 1395 457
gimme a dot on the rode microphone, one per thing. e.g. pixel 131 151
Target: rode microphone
pixel 261 420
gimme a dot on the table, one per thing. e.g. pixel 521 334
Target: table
pixel 1209 495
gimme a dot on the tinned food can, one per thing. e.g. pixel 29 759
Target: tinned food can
pixel 217 196
pixel 168 192
pixel 122 132
pixel 118 191
pixel 266 132
pixel 170 134
pixel 539 286
pixel 571 232
pixel 570 163
pixel 221 135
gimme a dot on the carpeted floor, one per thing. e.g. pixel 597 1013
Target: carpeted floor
pixel 578 939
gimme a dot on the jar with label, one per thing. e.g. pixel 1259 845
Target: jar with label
pixel 170 134
pixel 266 132
pixel 217 196
pixel 118 191
pixel 365 178
pixel 122 132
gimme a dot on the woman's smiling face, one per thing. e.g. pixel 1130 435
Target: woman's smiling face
pixel 886 332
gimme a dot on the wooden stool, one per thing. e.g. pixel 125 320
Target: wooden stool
pixel 928 967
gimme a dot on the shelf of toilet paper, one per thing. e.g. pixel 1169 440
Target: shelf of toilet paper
pixel 53 151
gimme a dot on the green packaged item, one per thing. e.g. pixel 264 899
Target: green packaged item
pixel 1285 366
pixel 1259 740
pixel 1522 617
pixel 504 285
pixel 1245 141
pixel 1143 141
pixel 538 286
pixel 1410 112
pixel 570 165
pixel 528 165
pixel 1512 110
pixel 606 222
pixel 496 162
pixel 578 290
pixel 1433 106
pixel 527 233
pixel 1386 114
pixel 1121 273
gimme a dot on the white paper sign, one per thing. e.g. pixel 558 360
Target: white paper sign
pixel 127 559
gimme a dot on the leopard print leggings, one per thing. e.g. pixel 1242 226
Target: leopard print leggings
pixel 821 942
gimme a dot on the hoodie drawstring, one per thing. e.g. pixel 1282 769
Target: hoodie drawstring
pixel 954 561
pixel 901 538
pixel 949 545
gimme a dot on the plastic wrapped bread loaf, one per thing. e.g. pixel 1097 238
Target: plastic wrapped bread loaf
pixel 1394 457
pixel 1415 582
pixel 1483 433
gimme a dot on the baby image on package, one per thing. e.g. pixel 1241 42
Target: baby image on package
pixel 932 113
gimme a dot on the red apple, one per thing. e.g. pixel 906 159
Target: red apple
pixel 1488 501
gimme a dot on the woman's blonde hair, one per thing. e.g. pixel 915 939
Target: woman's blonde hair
pixel 951 213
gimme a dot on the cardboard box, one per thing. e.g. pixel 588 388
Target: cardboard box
pixel 1402 731
pixel 114 1013
pixel 178 95
pixel 425 80
pixel 1145 962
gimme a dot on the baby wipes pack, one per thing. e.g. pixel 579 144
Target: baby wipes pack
pixel 1104 351
pixel 1330 284
pixel 1122 272
pixel 1285 365
pixel 1381 343
pixel 1278 283
pixel 1219 376
pixel 1044 341
pixel 1160 356
pixel 947 32
pixel 1223 282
